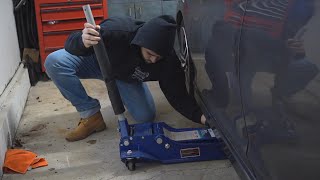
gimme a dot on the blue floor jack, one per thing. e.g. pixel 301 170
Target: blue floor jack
pixel 154 141
pixel 160 142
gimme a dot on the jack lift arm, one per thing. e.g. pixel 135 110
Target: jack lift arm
pixel 154 141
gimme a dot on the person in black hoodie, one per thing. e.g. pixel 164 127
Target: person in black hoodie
pixel 138 52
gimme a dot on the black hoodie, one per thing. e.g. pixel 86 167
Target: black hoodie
pixel 123 37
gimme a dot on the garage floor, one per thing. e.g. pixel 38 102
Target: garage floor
pixel 48 117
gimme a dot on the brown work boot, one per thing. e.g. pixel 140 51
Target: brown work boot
pixel 86 127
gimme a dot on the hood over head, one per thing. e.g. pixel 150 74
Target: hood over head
pixel 158 35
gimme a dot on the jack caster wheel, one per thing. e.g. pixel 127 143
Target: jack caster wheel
pixel 131 164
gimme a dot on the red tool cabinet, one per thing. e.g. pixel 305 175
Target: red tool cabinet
pixel 56 19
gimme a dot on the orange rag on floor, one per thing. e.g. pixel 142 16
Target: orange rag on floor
pixel 19 160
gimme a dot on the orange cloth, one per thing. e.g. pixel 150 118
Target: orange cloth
pixel 19 160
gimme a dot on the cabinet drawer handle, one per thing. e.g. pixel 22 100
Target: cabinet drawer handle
pixel 52 22
pixel 130 11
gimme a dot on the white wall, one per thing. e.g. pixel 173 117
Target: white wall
pixel 14 79
pixel 9 47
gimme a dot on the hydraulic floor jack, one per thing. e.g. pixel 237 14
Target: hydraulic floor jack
pixel 154 141
pixel 160 142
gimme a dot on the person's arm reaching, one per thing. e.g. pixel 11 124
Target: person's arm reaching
pixel 174 89
pixel 80 43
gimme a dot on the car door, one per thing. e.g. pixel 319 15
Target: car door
pixel 209 54
pixel 280 87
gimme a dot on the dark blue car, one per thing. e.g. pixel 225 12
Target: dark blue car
pixel 253 66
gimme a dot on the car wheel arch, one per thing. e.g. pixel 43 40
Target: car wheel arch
pixel 185 56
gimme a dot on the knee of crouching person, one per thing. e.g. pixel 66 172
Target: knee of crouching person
pixel 49 62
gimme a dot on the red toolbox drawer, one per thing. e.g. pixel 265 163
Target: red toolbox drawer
pixel 56 19
pixel 55 40
pixel 69 13
pixel 52 26
pixel 45 3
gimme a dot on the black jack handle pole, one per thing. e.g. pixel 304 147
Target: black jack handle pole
pixel 106 71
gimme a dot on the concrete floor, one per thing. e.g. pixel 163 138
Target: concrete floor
pixel 48 117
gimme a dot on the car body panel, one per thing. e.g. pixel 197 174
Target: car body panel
pixel 280 88
pixel 261 93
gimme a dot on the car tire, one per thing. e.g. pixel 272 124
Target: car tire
pixel 185 57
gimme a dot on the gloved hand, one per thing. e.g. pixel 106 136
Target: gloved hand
pixel 203 120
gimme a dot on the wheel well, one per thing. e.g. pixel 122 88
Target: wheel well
pixel 191 73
